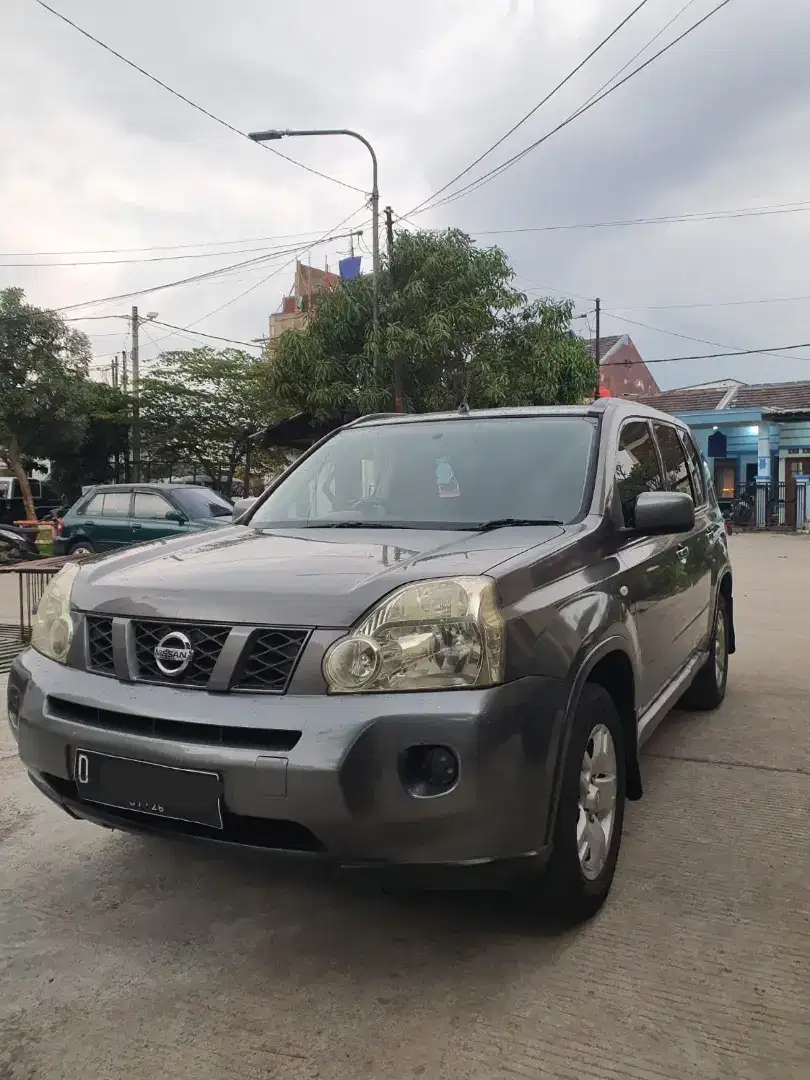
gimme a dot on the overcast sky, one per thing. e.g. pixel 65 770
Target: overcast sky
pixel 95 156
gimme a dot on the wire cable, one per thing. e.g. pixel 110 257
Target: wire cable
pixel 485 178
pixel 533 110
pixel 188 101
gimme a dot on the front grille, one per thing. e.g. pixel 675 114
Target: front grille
pixel 269 660
pixel 100 645
pixel 206 641
pixel 183 731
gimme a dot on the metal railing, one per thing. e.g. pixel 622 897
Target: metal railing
pixel 32 578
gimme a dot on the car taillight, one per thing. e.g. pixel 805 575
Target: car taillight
pixel 57 527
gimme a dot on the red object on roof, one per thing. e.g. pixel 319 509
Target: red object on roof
pixel 604 392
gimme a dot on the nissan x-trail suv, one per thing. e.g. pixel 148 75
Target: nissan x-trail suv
pixel 433 647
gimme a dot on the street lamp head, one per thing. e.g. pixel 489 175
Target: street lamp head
pixel 151 315
pixel 266 136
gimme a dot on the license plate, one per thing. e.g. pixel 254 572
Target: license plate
pixel 146 788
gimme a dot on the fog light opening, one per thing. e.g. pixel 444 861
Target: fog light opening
pixel 427 771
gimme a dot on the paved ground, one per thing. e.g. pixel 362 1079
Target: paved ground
pixel 124 958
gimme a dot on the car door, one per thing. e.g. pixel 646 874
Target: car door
pixel 649 563
pixel 693 578
pixel 113 528
pixel 150 517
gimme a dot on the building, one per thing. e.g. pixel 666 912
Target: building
pixel 622 372
pixel 748 432
pixel 309 283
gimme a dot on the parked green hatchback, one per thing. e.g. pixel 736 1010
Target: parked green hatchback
pixel 112 516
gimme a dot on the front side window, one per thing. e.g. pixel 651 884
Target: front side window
pixel 443 474
pixel 637 468
pixel 676 470
pixel 199 503
pixel 151 506
pixel 116 504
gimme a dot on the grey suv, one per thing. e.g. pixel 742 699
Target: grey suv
pixel 434 645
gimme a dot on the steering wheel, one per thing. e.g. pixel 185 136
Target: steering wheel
pixel 371 500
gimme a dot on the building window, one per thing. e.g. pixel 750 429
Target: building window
pixel 725 478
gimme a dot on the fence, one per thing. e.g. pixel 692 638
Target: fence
pixel 32 577
pixel 217 477
pixel 779 510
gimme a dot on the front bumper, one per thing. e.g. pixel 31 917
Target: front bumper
pixel 338 791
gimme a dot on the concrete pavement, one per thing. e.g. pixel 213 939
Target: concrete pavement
pixel 130 958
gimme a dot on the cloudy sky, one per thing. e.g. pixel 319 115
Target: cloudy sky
pixel 100 163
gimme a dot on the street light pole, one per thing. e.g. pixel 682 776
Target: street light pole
pixel 273 135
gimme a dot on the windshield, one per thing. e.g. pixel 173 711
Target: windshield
pixel 200 502
pixel 440 474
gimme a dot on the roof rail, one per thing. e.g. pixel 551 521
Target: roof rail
pixel 373 416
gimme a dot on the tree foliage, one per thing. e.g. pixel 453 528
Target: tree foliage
pixel 103 445
pixel 43 369
pixel 200 405
pixel 455 324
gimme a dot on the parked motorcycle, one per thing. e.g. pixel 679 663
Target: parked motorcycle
pixel 16 545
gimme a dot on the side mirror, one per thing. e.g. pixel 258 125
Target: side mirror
pixel 177 516
pixel 661 512
pixel 241 507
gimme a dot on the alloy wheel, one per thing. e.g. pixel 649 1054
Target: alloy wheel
pixel 598 780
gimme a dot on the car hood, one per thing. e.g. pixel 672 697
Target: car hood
pixel 303 577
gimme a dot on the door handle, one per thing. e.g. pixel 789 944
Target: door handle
pixel 135 525
pixel 682 553
pixel 89 524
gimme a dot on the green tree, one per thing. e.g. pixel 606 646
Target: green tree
pixel 107 414
pixel 453 323
pixel 43 369
pixel 200 405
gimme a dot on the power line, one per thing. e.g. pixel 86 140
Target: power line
pixel 150 259
pixel 701 341
pixel 772 349
pixel 664 219
pixel 716 304
pixel 533 110
pixel 199 333
pixel 195 278
pixel 162 247
pixel 485 178
pixel 188 101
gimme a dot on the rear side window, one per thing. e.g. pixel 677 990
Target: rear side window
pixel 116 504
pixel 637 468
pixel 676 470
pixel 93 507
pixel 695 467
pixel 36 490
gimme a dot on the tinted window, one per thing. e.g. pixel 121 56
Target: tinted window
pixel 150 505
pixel 5 489
pixel 116 504
pixel 637 468
pixel 51 492
pixel 676 471
pixel 452 474
pixel 202 503
pixel 695 467
pixel 94 506
pixel 36 490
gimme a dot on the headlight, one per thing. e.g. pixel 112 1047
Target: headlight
pixel 434 635
pixel 52 627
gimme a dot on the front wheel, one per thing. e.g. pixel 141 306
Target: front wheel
pixel 590 815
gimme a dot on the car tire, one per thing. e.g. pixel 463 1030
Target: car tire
pixel 708 688
pixel 586 842
pixel 82 547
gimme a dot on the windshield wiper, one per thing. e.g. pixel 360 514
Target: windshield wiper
pixel 504 523
pixel 355 525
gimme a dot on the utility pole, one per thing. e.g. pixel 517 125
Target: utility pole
pixel 124 378
pixel 399 405
pixel 114 371
pixel 598 344
pixel 136 417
